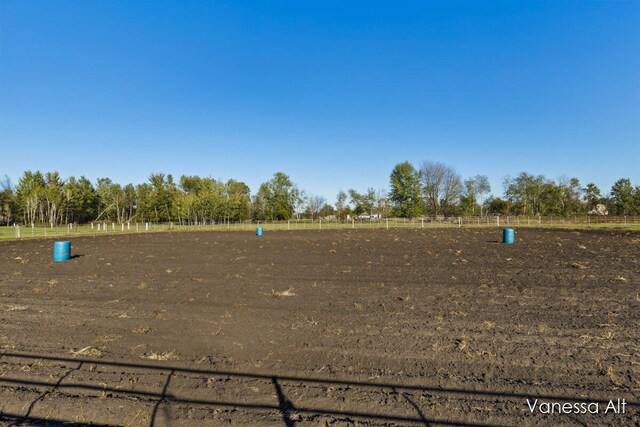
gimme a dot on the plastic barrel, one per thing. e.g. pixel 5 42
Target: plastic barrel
pixel 508 236
pixel 259 231
pixel 61 251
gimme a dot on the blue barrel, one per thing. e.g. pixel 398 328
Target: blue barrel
pixel 508 236
pixel 259 231
pixel 61 251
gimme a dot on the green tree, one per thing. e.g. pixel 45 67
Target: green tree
pixel 238 200
pixel 474 191
pixel 622 197
pixel 30 196
pixel 162 197
pixel 363 203
pixel 591 196
pixel 405 194
pixel 8 204
pixel 525 192
pixel 570 195
pixel 498 206
pixel 277 198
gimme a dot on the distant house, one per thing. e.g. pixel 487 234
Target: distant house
pixel 600 209
pixel 365 215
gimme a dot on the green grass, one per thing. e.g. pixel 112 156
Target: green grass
pixel 9 233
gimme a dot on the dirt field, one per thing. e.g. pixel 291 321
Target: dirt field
pixel 367 328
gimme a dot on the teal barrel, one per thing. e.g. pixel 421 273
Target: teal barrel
pixel 508 236
pixel 259 231
pixel 61 251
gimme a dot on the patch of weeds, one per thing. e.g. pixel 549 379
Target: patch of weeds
pixel 15 307
pixel 488 325
pixel 280 294
pixel 437 347
pixel 462 344
pixel 167 355
pixel 159 314
pixel 607 336
pixel 87 351
pixel 613 377
pixel 107 338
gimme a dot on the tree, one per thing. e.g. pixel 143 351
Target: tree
pixel 238 200
pixel 314 204
pixel 524 192
pixel 382 203
pixel 8 205
pixel 592 196
pixel 362 203
pixel 277 198
pixel 442 187
pixel 622 197
pixel 30 195
pixel 569 197
pixel 326 210
pixel 405 194
pixel 341 201
pixel 497 206
pixel 162 197
pixel 474 191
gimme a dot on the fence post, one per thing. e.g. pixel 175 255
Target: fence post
pixel 498 221
pixel 459 222
pixel 18 232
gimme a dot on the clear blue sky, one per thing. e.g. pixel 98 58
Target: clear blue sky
pixel 333 93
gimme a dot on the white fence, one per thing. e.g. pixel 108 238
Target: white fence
pixel 102 228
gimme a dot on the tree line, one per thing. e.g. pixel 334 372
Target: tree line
pixel 433 188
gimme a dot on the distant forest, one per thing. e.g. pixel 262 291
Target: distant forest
pixel 431 189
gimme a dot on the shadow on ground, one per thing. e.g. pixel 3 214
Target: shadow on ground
pixel 284 406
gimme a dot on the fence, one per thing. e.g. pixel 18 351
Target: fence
pixel 110 228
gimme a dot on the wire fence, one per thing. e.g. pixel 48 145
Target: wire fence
pixel 111 228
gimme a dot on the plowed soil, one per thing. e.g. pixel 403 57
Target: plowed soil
pixel 357 327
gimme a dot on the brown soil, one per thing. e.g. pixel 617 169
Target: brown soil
pixel 358 327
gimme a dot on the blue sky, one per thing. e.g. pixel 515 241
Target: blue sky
pixel 333 93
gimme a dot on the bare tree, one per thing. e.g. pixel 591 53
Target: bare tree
pixel 442 186
pixel 5 183
pixel 314 204
pixel 341 201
